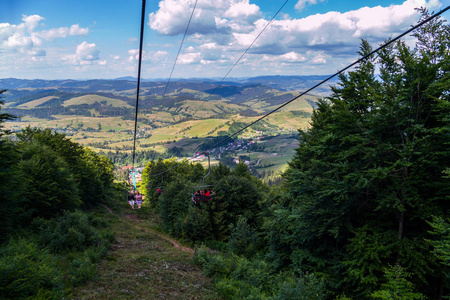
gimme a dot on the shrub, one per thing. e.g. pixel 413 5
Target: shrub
pixel 243 240
pixel 74 232
pixel 26 270
pixel 239 278
pixel 197 225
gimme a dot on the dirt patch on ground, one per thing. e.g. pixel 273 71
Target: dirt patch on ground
pixel 131 217
pixel 135 218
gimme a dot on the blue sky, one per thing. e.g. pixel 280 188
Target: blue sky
pixel 62 39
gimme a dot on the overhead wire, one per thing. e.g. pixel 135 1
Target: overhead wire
pixel 239 59
pixel 178 54
pixel 322 82
pixel 174 64
pixel 138 80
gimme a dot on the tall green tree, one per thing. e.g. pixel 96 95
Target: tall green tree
pixel 368 176
pixel 49 185
pixel 10 187
pixel 92 174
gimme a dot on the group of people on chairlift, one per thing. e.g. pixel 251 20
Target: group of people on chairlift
pixel 204 195
pixel 135 198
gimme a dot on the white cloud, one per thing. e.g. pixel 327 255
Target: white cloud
pixel 76 30
pixel 301 4
pixel 24 38
pixel 242 9
pixel 152 56
pixel 189 58
pixel 173 15
pixel 31 22
pixel 85 54
pixel 333 32
pixel 62 32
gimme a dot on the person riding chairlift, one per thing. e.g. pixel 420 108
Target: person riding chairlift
pixel 138 199
pixel 207 195
pixel 197 197
pixel 131 199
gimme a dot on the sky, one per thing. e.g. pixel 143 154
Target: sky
pixel 97 39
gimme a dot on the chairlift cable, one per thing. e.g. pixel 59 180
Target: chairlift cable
pixel 138 80
pixel 179 50
pixel 239 59
pixel 335 74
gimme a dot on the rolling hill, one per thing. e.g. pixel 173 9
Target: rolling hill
pixel 100 113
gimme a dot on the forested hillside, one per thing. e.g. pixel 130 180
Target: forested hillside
pixel 48 244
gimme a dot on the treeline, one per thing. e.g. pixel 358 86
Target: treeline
pixel 48 244
pixel 363 210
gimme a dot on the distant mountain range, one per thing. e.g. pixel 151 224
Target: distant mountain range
pixel 283 83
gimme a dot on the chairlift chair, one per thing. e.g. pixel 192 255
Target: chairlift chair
pixel 206 193
pixel 160 189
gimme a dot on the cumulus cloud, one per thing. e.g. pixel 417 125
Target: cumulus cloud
pixel 62 32
pixel 291 57
pixel 31 22
pixel 76 30
pixel 189 58
pixel 85 54
pixel 333 32
pixel 301 4
pixel 220 30
pixel 24 38
pixel 152 56
pixel 173 15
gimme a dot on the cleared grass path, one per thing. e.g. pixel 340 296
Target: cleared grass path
pixel 145 264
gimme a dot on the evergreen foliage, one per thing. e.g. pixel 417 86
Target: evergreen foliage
pixel 63 254
pixel 46 246
pixel 368 177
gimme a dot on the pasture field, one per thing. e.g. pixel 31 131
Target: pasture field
pixel 89 99
pixel 34 103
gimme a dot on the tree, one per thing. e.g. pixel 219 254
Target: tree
pixel 235 197
pixel 91 173
pixel 10 187
pixel 49 185
pixel 4 116
pixel 173 206
pixel 368 176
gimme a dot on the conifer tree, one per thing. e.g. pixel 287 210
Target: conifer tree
pixel 368 176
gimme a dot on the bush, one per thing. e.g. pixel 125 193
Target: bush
pixel 26 270
pixel 243 240
pixel 239 278
pixel 307 287
pixel 197 225
pixel 75 231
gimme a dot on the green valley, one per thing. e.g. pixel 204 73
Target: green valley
pixel 100 114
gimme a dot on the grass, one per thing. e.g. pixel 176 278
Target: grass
pixel 34 103
pixel 143 264
pixel 89 99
